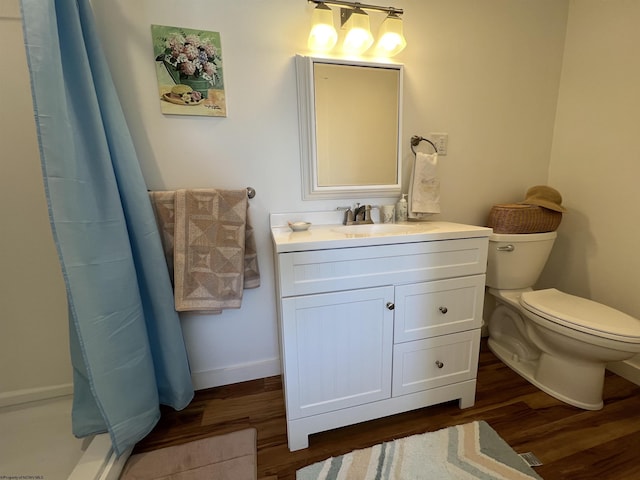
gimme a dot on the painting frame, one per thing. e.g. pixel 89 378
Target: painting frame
pixel 189 71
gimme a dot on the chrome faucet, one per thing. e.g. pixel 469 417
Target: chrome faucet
pixel 362 214
pixel 359 213
pixel 348 215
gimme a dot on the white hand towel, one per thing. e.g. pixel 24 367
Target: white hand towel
pixel 424 188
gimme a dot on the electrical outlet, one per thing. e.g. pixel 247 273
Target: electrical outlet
pixel 441 140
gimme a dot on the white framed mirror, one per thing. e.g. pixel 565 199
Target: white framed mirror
pixel 350 115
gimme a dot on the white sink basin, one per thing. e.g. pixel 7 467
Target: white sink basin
pixel 372 229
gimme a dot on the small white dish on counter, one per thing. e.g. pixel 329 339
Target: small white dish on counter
pixel 299 226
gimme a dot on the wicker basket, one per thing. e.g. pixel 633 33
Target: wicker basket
pixel 517 218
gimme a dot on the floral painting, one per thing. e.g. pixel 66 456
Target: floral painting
pixel 189 71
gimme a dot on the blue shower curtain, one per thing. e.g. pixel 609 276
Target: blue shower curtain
pixel 127 349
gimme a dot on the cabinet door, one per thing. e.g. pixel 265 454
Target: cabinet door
pixel 337 350
pixel 441 307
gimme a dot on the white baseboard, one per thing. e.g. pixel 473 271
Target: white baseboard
pixel 629 369
pixel 236 373
pixel 16 397
pixel 201 380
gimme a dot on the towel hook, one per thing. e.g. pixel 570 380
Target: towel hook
pixel 251 192
pixel 415 140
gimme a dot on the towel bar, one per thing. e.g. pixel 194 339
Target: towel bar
pixel 415 140
pixel 251 192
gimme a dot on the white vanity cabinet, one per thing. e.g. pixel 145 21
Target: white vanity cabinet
pixel 373 330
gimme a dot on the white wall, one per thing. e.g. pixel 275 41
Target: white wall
pixel 595 160
pixel 485 72
pixel 33 311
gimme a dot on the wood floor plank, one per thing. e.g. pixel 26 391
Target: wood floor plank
pixel 617 459
pixel 580 431
pixel 255 406
pixel 573 443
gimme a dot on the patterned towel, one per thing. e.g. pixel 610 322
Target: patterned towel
pixel 424 187
pixel 209 246
pixel 163 203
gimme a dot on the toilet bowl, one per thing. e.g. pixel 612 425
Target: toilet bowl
pixel 559 342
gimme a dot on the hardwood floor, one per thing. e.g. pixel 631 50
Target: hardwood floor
pixel 572 443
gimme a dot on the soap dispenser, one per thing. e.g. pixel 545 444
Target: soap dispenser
pixel 402 208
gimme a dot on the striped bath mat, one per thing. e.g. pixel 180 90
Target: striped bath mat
pixel 470 451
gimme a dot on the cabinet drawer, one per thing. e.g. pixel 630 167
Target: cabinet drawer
pixel 435 362
pixel 320 271
pixel 430 309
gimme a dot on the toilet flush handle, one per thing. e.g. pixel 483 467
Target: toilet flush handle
pixel 506 248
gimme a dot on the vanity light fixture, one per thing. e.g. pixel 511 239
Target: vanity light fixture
pixel 323 35
pixel 355 21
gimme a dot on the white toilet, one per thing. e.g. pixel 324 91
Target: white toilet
pixel 559 342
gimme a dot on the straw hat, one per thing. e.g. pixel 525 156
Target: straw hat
pixel 544 196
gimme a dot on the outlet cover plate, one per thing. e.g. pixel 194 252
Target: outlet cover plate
pixel 441 140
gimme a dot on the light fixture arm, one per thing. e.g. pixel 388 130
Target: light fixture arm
pixel 354 5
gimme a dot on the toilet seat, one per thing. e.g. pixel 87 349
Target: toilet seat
pixel 581 314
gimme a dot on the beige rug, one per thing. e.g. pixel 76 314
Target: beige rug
pixel 224 457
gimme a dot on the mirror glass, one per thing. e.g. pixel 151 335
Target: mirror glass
pixel 350 118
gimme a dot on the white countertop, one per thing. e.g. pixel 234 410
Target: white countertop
pixel 327 232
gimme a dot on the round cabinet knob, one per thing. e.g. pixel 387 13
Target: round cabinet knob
pixel 439 364
pixel 443 310
pixel 390 305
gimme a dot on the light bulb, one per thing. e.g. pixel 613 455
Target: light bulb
pixel 359 37
pixel 390 38
pixel 323 35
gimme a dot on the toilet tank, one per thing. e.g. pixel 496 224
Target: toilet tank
pixel 516 261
